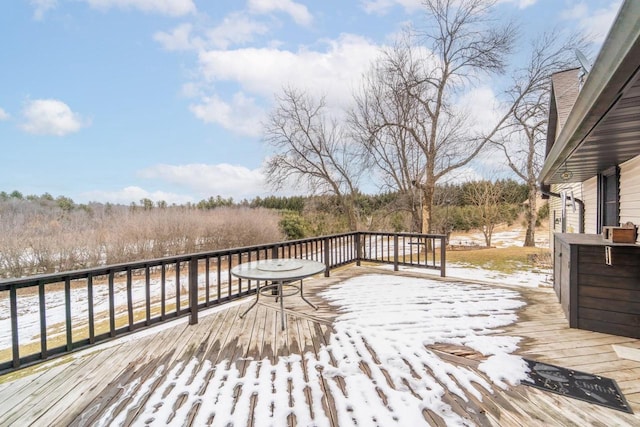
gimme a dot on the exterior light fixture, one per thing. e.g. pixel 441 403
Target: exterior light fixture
pixel 566 175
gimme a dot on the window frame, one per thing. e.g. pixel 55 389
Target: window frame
pixel 604 198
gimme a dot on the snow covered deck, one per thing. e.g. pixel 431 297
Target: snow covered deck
pixel 383 349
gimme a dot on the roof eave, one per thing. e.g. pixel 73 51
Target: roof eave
pixel 610 73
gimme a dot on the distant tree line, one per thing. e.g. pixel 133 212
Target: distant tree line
pixel 42 234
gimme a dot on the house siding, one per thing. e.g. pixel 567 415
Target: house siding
pixel 555 210
pixel 630 192
pixel 587 191
pixel 590 199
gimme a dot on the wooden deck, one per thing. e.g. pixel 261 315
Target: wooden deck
pixel 172 374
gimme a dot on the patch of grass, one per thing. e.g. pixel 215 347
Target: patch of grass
pixel 506 260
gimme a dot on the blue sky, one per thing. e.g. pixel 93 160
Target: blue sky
pixel 118 100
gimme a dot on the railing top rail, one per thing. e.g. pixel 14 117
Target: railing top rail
pixel 7 284
pixel 391 233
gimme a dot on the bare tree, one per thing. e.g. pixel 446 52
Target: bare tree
pixel 523 138
pixel 406 113
pixel 398 157
pixel 312 149
pixel 488 199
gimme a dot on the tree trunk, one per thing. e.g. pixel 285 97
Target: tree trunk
pixel 416 219
pixel 531 217
pixel 427 204
pixel 488 233
pixel 353 217
pixel 348 204
pixel 424 229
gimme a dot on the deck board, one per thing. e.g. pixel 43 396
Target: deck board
pixel 124 380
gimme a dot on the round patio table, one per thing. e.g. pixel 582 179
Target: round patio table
pixel 281 272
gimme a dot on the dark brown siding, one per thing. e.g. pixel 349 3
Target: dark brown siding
pixel 594 295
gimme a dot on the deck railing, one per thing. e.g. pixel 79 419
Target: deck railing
pixel 53 314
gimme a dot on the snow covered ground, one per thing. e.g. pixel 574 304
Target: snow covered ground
pixel 393 317
pixel 385 323
pixel 499 239
pixel 526 278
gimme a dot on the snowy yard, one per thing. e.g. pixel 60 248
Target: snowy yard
pixel 499 239
pixel 376 364
pixel 385 324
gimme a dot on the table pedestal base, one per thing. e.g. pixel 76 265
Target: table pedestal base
pixel 281 286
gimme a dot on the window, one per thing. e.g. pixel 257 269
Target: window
pixel 608 198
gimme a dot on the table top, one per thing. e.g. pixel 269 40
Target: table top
pixel 278 269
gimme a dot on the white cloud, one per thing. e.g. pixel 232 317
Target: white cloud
pixel 298 12
pixel 241 114
pixel 41 7
pixel 235 29
pixel 522 4
pixel 263 71
pixel 260 72
pixel 595 23
pixel 382 7
pixel 461 175
pixel 4 115
pixel 134 194
pixel 180 38
pixel 481 105
pixel 483 110
pixel 206 180
pixel 491 164
pixel 50 117
pixel 164 7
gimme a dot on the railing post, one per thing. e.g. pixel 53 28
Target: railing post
pixel 132 319
pixel 395 252
pixel 112 306
pixel 43 320
pixel 178 289
pixel 147 293
pixel 327 257
pixel 275 252
pixel 358 237
pixel 163 291
pixel 91 319
pixel 443 256
pixel 193 290
pixel 15 344
pixel 67 307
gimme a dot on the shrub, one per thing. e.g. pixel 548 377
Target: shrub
pixel 543 212
pixel 294 226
